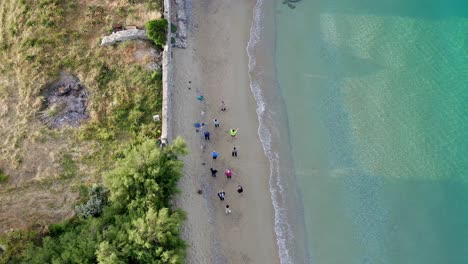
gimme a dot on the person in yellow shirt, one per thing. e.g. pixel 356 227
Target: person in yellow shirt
pixel 233 132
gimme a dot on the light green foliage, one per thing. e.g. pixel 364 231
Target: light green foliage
pixel 137 226
pixel 160 229
pixel 107 254
pixel 157 31
pixel 146 176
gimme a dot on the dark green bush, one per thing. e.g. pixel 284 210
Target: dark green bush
pixel 157 31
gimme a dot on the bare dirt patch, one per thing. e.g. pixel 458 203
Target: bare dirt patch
pixel 142 53
pixel 66 102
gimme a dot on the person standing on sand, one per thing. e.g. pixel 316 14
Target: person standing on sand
pixel 240 189
pixel 228 210
pixel 221 195
pixel 228 173
pixel 234 152
pixel 214 154
pixel 216 122
pixel 213 172
pixel 207 135
pixel 233 132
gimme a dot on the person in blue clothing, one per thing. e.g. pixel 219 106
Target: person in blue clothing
pixel 207 135
pixel 214 154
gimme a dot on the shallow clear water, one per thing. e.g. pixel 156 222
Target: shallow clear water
pixel 376 97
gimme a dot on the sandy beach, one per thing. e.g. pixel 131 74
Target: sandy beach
pixel 215 65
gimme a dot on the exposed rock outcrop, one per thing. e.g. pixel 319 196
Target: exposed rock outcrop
pixel 124 35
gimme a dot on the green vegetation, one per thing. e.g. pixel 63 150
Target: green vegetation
pixel 96 201
pixel 173 28
pixel 154 4
pixel 15 243
pixel 157 31
pixel 135 225
pixel 69 168
pixel 125 217
pixel 3 177
pixel 38 41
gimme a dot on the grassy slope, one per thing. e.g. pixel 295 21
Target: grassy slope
pixel 38 39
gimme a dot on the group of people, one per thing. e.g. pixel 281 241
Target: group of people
pixel 215 154
pixel 222 195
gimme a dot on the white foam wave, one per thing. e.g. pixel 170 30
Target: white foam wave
pixel 283 229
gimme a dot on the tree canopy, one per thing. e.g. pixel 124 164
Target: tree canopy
pixel 137 224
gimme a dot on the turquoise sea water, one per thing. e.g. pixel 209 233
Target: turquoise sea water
pixel 376 99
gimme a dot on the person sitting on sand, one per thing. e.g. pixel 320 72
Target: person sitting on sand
pixel 228 210
pixel 223 106
pixel 240 189
pixel 233 132
pixel 213 172
pixel 214 154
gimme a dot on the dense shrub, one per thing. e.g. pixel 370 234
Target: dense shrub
pixel 137 225
pixel 95 204
pixel 15 243
pixel 157 31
